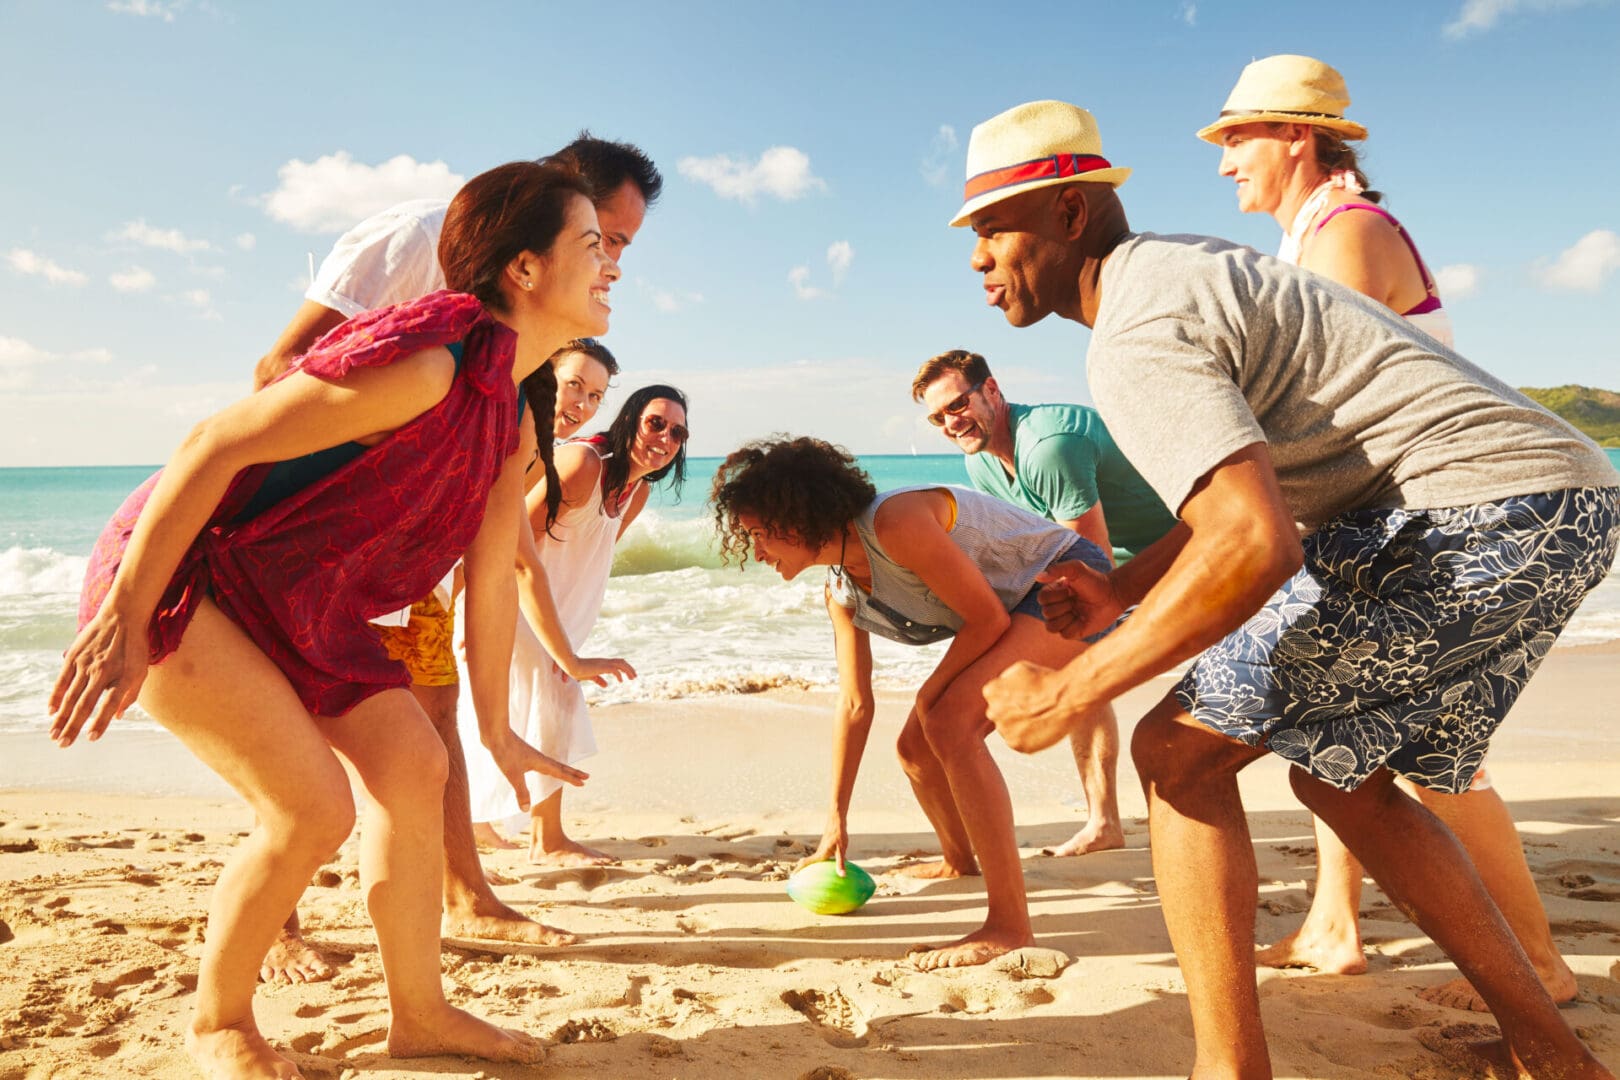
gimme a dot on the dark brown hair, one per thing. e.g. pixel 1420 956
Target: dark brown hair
pixel 619 436
pixel 803 488
pixel 495 217
pixel 592 348
pixel 607 165
pixel 970 365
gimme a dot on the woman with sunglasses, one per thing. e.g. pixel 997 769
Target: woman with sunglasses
pixel 604 481
pixel 915 565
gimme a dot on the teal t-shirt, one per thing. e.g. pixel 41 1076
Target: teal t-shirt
pixel 1067 463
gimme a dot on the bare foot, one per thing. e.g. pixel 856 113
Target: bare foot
pixel 1459 993
pixel 238 1053
pixel 568 853
pixel 979 947
pixel 493 920
pixel 292 960
pixel 934 870
pixel 451 1031
pixel 1098 835
pixel 1331 954
pixel 488 838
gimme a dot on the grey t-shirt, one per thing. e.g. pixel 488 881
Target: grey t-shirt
pixel 1202 347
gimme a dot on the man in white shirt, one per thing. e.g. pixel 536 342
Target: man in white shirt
pixel 389 258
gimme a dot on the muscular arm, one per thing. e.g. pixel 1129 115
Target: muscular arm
pixel 309 323
pixel 1240 545
pixel 911 528
pixel 297 416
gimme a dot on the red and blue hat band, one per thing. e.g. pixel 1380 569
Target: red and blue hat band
pixel 1055 167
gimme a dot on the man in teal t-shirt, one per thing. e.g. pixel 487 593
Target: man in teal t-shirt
pixel 1060 462
pixel 1054 460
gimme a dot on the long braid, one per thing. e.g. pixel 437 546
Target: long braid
pixel 540 391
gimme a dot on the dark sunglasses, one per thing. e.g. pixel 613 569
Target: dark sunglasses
pixel 656 424
pixel 955 407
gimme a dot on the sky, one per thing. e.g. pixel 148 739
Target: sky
pixel 172 167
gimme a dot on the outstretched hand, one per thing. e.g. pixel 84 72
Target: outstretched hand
pixel 597 669
pixel 516 759
pixel 1077 601
pixel 102 673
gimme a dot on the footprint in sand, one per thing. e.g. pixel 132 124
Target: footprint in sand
pixel 828 1072
pixel 652 841
pixel 834 1016
pixel 586 877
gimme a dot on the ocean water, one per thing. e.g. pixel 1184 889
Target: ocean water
pixel 689 624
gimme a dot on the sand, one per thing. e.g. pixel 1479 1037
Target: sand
pixel 694 962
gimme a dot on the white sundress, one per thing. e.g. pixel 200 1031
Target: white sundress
pixel 547 707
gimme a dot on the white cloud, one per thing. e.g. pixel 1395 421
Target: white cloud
pixel 74 415
pixel 246 241
pixel 152 9
pixel 199 301
pixel 139 232
pixel 1189 13
pixel 668 301
pixel 334 192
pixel 782 172
pixel 27 262
pixel 1480 15
pixel 20 361
pixel 1457 281
pixel 840 254
pixel 936 167
pixel 135 279
pixel 1583 267
pixel 799 278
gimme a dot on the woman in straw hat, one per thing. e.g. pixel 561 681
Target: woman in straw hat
pixel 1285 142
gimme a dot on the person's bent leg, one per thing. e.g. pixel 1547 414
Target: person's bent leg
pixel 1096 756
pixel 550 845
pixel 1422 868
pixel 1481 822
pixel 400 764
pixel 933 791
pixel 1208 885
pixel 1329 940
pixel 234 709
pixel 956 728
pixel 471 908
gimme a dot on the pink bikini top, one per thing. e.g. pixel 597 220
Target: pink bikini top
pixel 1429 303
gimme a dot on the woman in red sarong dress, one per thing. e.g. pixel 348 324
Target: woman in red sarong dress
pixel 230 597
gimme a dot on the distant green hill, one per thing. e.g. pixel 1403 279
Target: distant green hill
pixel 1596 412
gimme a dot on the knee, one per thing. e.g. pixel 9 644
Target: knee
pixel 916 756
pixel 318 824
pixel 1172 757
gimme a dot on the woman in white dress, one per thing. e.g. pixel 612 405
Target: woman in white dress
pixel 604 481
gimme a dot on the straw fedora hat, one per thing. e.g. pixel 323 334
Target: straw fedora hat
pixel 1034 145
pixel 1287 89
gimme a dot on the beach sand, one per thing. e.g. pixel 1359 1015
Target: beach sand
pixel 695 963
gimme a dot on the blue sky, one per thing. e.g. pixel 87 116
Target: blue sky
pixel 171 166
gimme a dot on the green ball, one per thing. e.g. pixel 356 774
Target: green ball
pixel 818 888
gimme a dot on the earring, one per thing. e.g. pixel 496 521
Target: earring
pixel 528 284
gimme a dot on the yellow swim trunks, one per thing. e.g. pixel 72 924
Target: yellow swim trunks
pixel 424 646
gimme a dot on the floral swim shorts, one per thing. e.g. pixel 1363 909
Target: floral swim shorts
pixel 1406 636
pixel 424 646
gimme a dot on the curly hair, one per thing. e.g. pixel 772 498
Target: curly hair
pixel 799 487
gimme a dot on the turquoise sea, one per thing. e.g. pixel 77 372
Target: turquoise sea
pixel 690 625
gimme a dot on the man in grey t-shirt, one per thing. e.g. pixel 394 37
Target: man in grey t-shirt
pixel 1378 543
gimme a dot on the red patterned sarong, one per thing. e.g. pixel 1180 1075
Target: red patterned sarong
pixel 305 576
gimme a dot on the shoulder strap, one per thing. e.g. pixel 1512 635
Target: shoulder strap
pixel 1423 269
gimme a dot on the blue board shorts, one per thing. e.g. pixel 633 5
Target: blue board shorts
pixel 1080 550
pixel 1406 636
